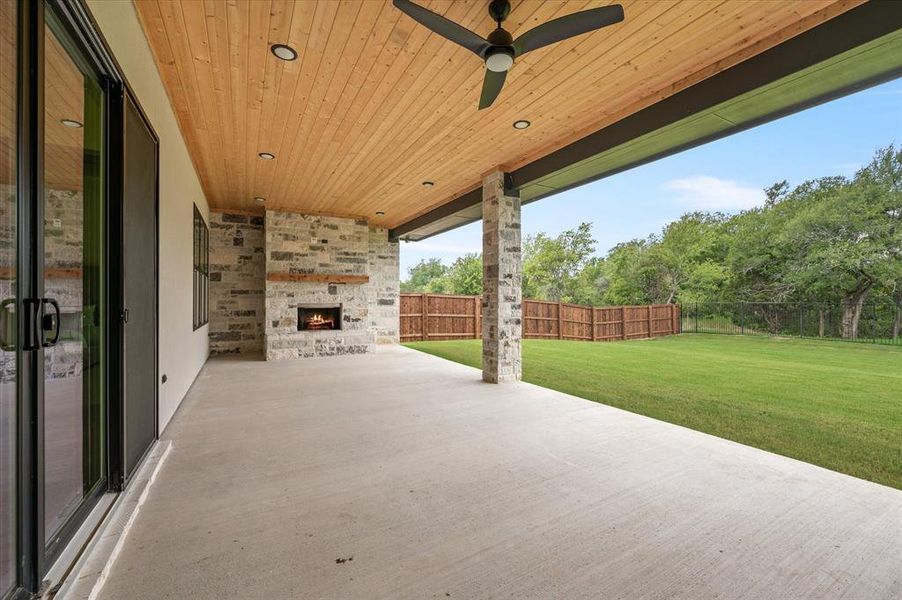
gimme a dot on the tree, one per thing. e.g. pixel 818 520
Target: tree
pixel 465 275
pixel 687 261
pixel 628 278
pixel 551 266
pixel 847 236
pixel 423 275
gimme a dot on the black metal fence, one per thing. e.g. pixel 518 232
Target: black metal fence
pixel 879 323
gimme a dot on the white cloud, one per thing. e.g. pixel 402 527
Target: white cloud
pixel 703 192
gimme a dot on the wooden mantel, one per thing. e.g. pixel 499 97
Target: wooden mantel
pixel 318 277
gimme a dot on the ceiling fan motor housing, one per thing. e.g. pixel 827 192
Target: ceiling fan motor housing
pixel 500 56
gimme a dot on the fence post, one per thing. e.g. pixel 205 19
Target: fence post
pixel 592 319
pixel 651 333
pixel 623 322
pixel 801 321
pixel 673 319
pixel 696 317
pixel 560 322
pixel 423 317
pixel 476 331
pixel 741 318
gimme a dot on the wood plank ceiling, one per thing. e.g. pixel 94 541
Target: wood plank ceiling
pixel 376 104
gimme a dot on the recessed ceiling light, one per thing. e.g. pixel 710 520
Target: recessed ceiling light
pixel 379 213
pixel 71 123
pixel 428 183
pixel 521 124
pixel 266 155
pixel 259 200
pixel 284 52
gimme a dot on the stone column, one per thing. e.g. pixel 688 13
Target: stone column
pixel 501 282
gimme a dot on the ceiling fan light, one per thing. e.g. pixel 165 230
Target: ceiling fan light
pixel 499 62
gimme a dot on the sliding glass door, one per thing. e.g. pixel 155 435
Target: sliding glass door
pixel 73 281
pixel 54 105
pixel 8 267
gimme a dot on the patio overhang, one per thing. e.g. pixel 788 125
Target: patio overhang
pixel 375 104
pixel 855 50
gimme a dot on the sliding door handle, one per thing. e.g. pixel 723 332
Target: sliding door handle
pixel 47 322
pixel 32 323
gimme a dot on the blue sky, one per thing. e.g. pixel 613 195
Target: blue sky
pixel 727 175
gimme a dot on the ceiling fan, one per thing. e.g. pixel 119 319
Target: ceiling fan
pixel 500 49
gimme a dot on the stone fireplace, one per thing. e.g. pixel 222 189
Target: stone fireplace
pixel 289 285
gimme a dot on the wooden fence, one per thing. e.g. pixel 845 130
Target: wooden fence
pixel 445 317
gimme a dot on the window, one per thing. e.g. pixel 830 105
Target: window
pixel 201 270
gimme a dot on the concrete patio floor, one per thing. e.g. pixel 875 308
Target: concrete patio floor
pixel 401 475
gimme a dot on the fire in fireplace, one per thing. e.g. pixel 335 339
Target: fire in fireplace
pixel 319 317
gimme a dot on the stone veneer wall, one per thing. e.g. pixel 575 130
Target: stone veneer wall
pixel 384 287
pixel 304 244
pixel 502 309
pixel 237 272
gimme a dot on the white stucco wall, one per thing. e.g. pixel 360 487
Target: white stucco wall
pixel 182 350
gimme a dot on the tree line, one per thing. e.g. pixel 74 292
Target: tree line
pixel 833 241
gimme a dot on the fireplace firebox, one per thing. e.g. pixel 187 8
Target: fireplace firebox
pixel 319 317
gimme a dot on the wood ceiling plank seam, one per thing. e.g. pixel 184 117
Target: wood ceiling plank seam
pixel 805 23
pixel 323 18
pixel 381 121
pixel 152 23
pixel 471 82
pixel 194 17
pixel 376 77
pixel 338 40
pixel 497 118
pixel 184 116
pixel 220 96
pixel 409 93
pixel 289 77
pixel 385 79
pixel 325 120
pixel 377 39
pixel 376 104
pixel 178 41
pixel 259 19
pixel 670 89
pixel 237 15
pixel 724 48
pixel 278 27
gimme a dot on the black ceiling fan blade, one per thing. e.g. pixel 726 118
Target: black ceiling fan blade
pixel 447 29
pixel 567 27
pixel 491 87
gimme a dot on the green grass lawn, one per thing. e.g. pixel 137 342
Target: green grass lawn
pixel 834 404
